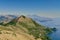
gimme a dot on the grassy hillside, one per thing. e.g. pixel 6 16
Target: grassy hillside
pixel 24 28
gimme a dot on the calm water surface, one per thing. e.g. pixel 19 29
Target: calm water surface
pixel 54 35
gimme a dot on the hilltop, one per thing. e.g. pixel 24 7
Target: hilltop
pixel 23 28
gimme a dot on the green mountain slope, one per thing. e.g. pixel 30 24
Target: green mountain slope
pixel 24 28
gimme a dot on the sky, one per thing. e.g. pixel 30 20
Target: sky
pixel 45 8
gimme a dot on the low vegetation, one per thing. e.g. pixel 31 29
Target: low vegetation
pixel 35 29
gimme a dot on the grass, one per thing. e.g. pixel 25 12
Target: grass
pixel 34 30
pixel 4 28
pixel 14 34
pixel 37 30
pixel 7 33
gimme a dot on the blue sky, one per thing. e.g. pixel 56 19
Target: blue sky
pixel 46 8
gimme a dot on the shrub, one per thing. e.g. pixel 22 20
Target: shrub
pixel 0 32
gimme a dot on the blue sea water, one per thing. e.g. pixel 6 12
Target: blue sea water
pixel 55 23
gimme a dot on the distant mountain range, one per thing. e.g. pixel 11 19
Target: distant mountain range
pixel 40 19
pixel 50 22
pixel 7 18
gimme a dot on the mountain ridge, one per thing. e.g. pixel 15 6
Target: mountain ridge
pixel 26 26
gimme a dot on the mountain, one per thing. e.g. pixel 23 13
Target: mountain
pixel 49 22
pixel 7 18
pixel 23 28
pixel 40 19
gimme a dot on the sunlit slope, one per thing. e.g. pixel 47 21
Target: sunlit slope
pixel 23 28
